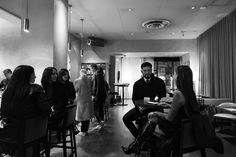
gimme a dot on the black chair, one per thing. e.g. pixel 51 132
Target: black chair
pixel 32 132
pixel 67 129
pixel 185 142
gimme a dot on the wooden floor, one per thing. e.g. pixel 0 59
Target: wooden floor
pixel 107 143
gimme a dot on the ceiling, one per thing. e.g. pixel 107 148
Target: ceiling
pixel 112 20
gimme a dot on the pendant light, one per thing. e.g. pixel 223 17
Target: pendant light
pixel 69 26
pixel 26 20
pixel 82 36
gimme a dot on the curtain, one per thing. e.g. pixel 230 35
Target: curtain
pixel 217 59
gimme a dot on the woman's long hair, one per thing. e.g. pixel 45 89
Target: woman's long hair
pixel 17 88
pixel 61 73
pixel 46 77
pixel 184 83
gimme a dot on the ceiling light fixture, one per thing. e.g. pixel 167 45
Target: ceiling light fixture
pixel 221 15
pixel 130 9
pixel 26 20
pixel 203 7
pixel 193 7
pixel 82 36
pixel 156 24
pixel 69 46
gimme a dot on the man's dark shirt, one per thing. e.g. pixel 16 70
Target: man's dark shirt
pixel 155 87
pixel 3 84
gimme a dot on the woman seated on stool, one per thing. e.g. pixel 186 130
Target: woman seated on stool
pixel 168 124
pixel 22 99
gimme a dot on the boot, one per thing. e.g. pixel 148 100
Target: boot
pixel 132 148
pixel 135 146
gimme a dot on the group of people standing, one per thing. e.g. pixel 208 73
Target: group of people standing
pixel 23 99
pixel 91 96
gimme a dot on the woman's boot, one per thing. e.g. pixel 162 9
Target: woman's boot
pixel 134 147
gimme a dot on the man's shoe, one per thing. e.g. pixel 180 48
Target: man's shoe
pixel 76 130
pixel 98 128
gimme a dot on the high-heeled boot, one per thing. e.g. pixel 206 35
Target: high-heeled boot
pixel 134 147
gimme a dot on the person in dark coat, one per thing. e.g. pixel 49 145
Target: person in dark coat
pixel 22 99
pixel 65 89
pixel 147 86
pixel 48 81
pixel 99 92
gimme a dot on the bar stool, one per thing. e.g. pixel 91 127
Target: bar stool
pixel 67 126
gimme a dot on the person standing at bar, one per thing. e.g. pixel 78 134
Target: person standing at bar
pixel 85 109
pixel 99 95
pixel 7 73
pixel 147 86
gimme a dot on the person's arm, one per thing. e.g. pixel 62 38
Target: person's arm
pixel 107 86
pixel 178 101
pixel 162 89
pixel 1 84
pixel 75 85
pixel 135 93
pixel 72 91
pixel 41 101
pixel 94 86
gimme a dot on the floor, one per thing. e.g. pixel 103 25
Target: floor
pixel 107 143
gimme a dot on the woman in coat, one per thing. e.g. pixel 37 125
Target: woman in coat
pixel 85 109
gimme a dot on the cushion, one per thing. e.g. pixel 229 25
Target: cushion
pixel 227 105
pixel 225 116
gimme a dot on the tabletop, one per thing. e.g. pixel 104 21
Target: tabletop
pixel 121 84
pixel 151 104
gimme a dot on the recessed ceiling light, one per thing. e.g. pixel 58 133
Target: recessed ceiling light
pixel 156 24
pixel 193 7
pixel 203 7
pixel 131 34
pixel 130 9
pixel 221 15
pixel 173 33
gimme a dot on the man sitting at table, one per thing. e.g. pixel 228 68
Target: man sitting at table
pixel 148 86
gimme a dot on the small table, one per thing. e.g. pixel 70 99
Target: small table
pixel 122 85
pixel 151 106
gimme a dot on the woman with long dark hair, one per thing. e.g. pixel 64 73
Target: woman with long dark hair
pixel 21 99
pixel 65 89
pixel 184 105
pixel 48 81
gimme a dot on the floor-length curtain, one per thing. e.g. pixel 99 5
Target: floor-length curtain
pixel 217 59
